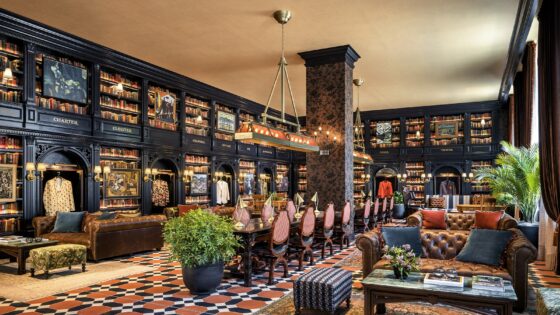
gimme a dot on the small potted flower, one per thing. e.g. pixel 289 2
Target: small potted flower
pixel 402 259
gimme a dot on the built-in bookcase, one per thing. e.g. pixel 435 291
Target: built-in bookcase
pixel 301 173
pixel 197 116
pixel 225 123
pixel 121 179
pixel 447 130
pixel 480 186
pixel 247 178
pixel 481 128
pixel 11 57
pixel 415 132
pixel 11 161
pixel 282 177
pixel 120 97
pixel 360 181
pixel 197 186
pixel 385 134
pixel 415 182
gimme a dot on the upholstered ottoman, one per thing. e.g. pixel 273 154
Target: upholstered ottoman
pixel 57 256
pixel 548 301
pixel 323 289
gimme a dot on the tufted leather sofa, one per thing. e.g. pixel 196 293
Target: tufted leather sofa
pixel 462 221
pixel 440 248
pixel 108 238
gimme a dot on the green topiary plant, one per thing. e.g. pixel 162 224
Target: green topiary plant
pixel 200 238
pixel 516 178
pixel 398 198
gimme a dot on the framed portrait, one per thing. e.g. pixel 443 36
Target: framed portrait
pixel 64 81
pixel 226 121
pixel 122 183
pixel 166 107
pixel 8 182
pixel 199 184
pixel 283 184
pixel 383 132
pixel 445 129
pixel 248 183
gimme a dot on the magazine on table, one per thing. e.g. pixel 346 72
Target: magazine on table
pixel 457 282
pixel 489 283
pixel 12 239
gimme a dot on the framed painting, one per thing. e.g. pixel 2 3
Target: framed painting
pixel 199 184
pixel 122 183
pixel 445 129
pixel 226 121
pixel 166 107
pixel 383 132
pixel 65 81
pixel 8 182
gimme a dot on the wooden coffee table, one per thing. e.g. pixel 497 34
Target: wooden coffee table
pixel 20 251
pixel 381 287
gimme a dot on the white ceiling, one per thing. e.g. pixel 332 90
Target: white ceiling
pixel 414 53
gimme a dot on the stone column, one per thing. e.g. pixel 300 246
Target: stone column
pixel 329 106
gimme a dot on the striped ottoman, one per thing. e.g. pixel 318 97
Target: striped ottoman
pixel 323 289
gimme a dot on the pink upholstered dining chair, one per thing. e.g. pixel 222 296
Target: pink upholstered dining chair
pixel 303 242
pixel 277 247
pixel 266 213
pixel 344 230
pixel 241 215
pixel 325 234
pixel 291 208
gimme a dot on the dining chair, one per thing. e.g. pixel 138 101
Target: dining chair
pixel 344 231
pixel 375 216
pixel 267 212
pixel 323 236
pixel 291 208
pixel 361 222
pixel 275 251
pixel 302 243
pixel 241 215
pixel 391 208
pixel 382 213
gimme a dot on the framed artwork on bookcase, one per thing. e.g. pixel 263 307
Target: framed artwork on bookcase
pixel 122 184
pixel 384 132
pixel 226 121
pixel 166 107
pixel 445 129
pixel 65 81
pixel 199 184
pixel 8 182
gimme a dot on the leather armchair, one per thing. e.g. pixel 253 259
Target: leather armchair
pixel 109 238
pixel 462 221
pixel 444 245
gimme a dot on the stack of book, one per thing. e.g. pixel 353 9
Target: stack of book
pixel 444 280
pixel 488 283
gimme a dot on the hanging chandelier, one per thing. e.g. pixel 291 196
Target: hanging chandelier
pixel 360 155
pixel 266 134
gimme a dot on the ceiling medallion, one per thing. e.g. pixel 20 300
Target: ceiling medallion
pixel 263 132
pixel 360 155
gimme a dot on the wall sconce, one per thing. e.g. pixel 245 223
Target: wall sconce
pixel 32 170
pixel 402 177
pixel 467 178
pixel 279 178
pixel 7 75
pixel 218 176
pixel 324 139
pixel 368 177
pixel 97 170
pixel 148 175
pixel 426 178
pixel 187 175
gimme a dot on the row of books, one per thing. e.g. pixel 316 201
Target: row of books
pixel 53 104
pixel 8 225
pixel 118 152
pixel 119 164
pixel 10 96
pixel 133 95
pixel 196 159
pixel 197 131
pixel 117 78
pixel 10 142
pixel 125 118
pixel 10 158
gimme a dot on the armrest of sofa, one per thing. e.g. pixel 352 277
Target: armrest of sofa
pixel 519 254
pixel 414 219
pixel 370 245
pixel 43 225
pixel 122 224
pixel 507 222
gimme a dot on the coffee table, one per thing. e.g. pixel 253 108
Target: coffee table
pixel 381 287
pixel 20 251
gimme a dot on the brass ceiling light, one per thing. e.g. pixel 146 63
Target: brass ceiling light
pixel 360 155
pixel 262 132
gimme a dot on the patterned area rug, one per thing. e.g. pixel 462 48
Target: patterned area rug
pixel 161 291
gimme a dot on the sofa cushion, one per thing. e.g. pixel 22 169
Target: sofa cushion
pixel 399 236
pixel 107 216
pixel 487 219
pixel 434 219
pixel 465 269
pixel 69 238
pixel 485 247
pixel 460 221
pixel 443 244
pixel 68 222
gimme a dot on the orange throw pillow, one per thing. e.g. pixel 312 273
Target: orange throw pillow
pixel 487 219
pixel 434 219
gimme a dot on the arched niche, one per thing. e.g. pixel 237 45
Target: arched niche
pixel 385 174
pixel 227 173
pixel 168 172
pixel 449 176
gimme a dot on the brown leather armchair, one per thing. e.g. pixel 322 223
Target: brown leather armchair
pixel 462 221
pixel 108 238
pixel 440 248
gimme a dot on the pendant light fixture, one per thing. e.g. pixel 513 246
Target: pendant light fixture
pixel 263 132
pixel 360 155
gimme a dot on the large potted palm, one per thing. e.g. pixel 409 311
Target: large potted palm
pixel 516 181
pixel 201 241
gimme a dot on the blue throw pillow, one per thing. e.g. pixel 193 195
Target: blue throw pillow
pixel 399 236
pixel 107 216
pixel 485 247
pixel 68 222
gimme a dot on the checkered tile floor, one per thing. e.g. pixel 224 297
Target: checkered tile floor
pixel 162 292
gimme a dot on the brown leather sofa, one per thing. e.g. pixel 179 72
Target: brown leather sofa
pixel 108 238
pixel 441 246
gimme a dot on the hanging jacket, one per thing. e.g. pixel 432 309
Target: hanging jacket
pixel 385 189
pixel 160 193
pixel 58 196
pixel 222 192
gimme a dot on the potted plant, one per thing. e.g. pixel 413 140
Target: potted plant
pixel 402 259
pixel 398 205
pixel 516 181
pixel 201 241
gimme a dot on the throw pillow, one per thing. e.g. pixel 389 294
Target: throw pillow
pixel 485 247
pixel 434 219
pixel 107 216
pixel 437 202
pixel 68 222
pixel 398 236
pixel 487 219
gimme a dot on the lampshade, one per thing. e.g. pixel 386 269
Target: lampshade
pixel 148 171
pixel 8 75
pixel 41 167
pixel 106 169
pixel 29 166
pixel 97 169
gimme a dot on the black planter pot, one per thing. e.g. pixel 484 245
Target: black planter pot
pixel 398 211
pixel 531 231
pixel 204 279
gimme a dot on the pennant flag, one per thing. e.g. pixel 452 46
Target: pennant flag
pixel 268 201
pixel 240 203
pixel 298 199
pixel 315 199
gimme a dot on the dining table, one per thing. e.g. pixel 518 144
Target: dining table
pixel 248 234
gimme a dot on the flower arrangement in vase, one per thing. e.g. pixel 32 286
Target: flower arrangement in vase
pixel 402 259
